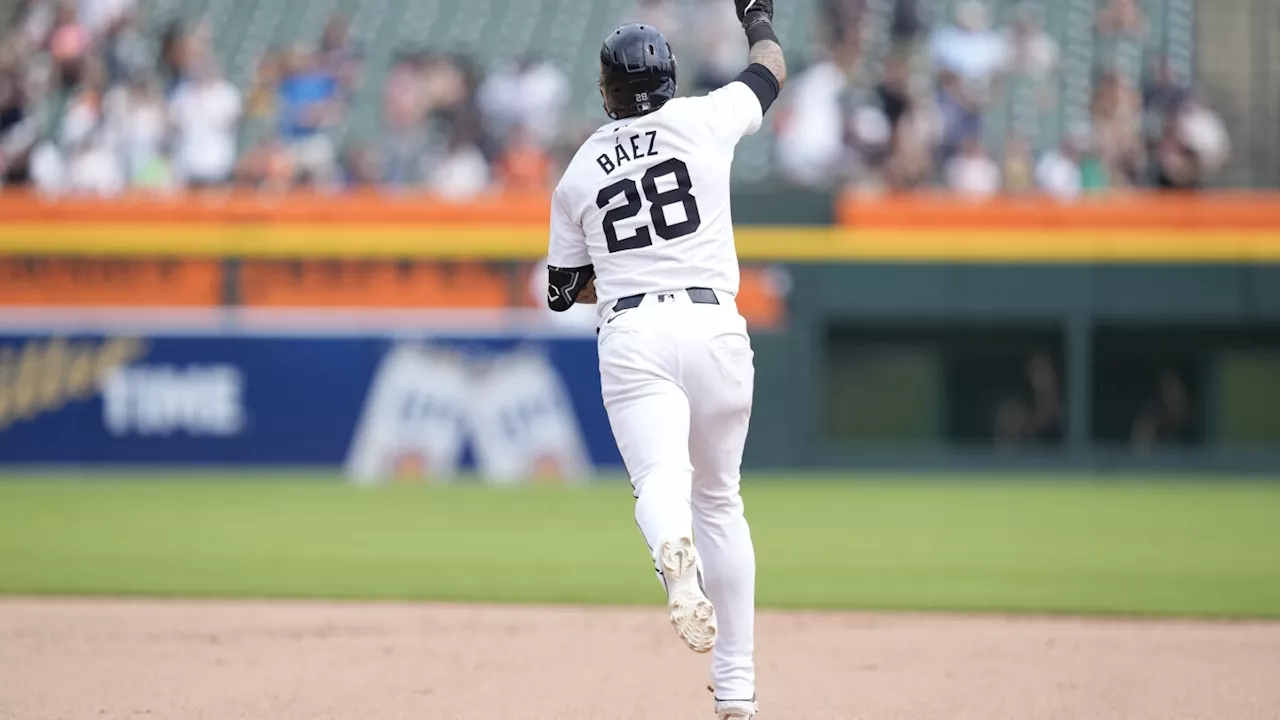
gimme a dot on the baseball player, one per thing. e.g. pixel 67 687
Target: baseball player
pixel 641 226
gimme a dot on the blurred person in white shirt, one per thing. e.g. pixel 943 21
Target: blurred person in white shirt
pixel 94 167
pixel 205 111
pixel 1058 174
pixel 48 169
pixel 969 48
pixel 972 173
pixel 531 94
pixel 462 172
pixel 811 125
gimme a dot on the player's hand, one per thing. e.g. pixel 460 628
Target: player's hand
pixel 751 7
pixel 587 295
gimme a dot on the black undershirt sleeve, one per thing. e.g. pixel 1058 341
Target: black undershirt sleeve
pixel 762 83
pixel 564 284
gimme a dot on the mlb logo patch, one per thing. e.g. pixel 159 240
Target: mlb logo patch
pixel 665 298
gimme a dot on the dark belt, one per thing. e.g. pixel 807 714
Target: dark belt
pixel 699 296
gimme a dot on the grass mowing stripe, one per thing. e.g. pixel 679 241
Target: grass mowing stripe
pixel 1185 548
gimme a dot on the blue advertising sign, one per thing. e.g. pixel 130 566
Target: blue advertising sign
pixel 380 407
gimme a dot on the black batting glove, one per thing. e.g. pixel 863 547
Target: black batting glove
pixel 750 11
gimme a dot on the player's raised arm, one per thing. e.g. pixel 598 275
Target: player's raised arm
pixel 766 51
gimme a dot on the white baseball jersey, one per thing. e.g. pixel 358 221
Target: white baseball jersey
pixel 646 199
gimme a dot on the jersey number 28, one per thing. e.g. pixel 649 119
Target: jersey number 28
pixel 659 202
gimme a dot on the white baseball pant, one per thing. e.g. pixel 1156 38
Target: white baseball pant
pixel 677 380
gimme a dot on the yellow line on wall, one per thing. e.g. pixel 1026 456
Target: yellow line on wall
pixel 526 242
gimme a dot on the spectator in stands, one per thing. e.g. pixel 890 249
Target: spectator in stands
pixel 267 166
pixel 205 111
pixel 99 15
pixel 449 89
pixel 719 45
pixel 404 143
pixel 47 168
pixel 1018 171
pixel 1121 34
pixel 69 43
pixel 339 54
pixel 972 173
pixel 33 21
pixel 83 111
pixel 969 48
pixel 1059 174
pixel 909 20
pixel 1030 50
pixel 264 88
pixel 959 111
pixel 177 47
pixel 309 103
pixel 870 137
pixel 127 52
pixel 462 173
pixel 529 94
pixel 1195 146
pixel 911 157
pixel 1164 92
pixel 841 22
pixel 94 168
pixel 360 167
pixel 906 159
pixel 915 125
pixel 811 126
pixel 1163 95
pixel 524 164
pixel 1121 18
pixel 894 89
pixel 1117 127
pixel 136 117
pixel 18 127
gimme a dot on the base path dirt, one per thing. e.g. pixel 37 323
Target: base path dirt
pixel 183 660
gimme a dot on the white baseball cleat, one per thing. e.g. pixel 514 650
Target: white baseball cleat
pixel 736 709
pixel 692 614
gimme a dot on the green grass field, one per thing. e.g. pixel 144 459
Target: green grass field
pixel 1207 547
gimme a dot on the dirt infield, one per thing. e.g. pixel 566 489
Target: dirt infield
pixel 180 660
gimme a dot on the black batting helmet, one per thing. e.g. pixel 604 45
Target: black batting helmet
pixel 637 71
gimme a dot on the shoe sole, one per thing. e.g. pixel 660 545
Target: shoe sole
pixel 692 614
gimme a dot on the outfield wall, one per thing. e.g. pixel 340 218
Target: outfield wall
pixel 1132 331
pixel 385 405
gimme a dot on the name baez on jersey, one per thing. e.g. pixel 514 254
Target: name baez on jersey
pixel 644 204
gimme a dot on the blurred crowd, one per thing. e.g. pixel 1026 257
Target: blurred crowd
pixel 925 114
pixel 90 103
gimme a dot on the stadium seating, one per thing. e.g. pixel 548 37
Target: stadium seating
pixel 566 32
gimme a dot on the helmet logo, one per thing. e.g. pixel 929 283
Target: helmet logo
pixel 642 101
